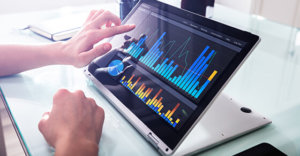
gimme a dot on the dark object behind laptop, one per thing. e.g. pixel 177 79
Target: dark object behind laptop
pixel 197 6
pixel 126 6
pixel 263 149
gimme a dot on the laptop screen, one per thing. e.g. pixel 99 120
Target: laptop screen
pixel 163 70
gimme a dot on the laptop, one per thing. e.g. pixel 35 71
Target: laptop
pixel 165 74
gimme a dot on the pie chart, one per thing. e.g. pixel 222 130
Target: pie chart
pixel 115 67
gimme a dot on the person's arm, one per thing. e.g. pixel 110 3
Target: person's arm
pixel 74 125
pixel 78 51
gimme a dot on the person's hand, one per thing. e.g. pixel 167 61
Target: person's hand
pixel 80 50
pixel 74 125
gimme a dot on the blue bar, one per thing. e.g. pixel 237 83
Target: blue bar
pixel 157 66
pixel 194 93
pixel 174 79
pixel 162 69
pixel 170 79
pixel 161 66
pixel 173 70
pixel 157 43
pixel 129 48
pixel 191 73
pixel 193 88
pixel 138 53
pixel 153 57
pixel 178 79
pixel 157 57
pixel 203 63
pixel 138 45
pixel 174 124
pixel 202 88
pixel 167 71
pixel 198 75
pixel 167 68
pixel 193 65
pixel 153 54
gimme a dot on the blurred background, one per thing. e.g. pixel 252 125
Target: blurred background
pixel 282 11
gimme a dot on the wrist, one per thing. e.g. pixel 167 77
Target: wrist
pixel 74 146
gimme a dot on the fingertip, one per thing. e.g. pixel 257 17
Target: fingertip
pixel 107 46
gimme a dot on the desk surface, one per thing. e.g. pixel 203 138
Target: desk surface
pixel 268 83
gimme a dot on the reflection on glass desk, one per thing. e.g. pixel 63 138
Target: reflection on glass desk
pixel 268 83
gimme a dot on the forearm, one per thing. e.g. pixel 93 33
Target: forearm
pixel 17 58
pixel 76 148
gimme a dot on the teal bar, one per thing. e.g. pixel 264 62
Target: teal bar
pixel 153 58
pixel 156 68
pixel 162 69
pixel 167 71
pixel 191 73
pixel 178 80
pixel 174 79
pixel 190 82
pixel 194 93
pixel 157 57
pixel 202 88
pixel 153 54
pixel 161 66
pixel 172 71
pixel 192 67
pixel 193 88
pixel 139 53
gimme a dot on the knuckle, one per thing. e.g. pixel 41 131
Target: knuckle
pixel 101 112
pixel 41 125
pixel 60 93
pixel 79 93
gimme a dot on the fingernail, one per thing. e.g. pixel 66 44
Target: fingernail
pixel 132 25
pixel 107 47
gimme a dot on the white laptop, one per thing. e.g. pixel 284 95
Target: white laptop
pixel 164 76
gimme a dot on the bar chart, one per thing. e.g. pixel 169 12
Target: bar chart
pixel 189 82
pixel 154 102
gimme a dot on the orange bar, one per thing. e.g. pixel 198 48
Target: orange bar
pixel 149 92
pixel 135 82
pixel 156 95
pixel 142 89
pixel 159 102
pixel 145 93
pixel 178 104
pixel 212 75
pixel 131 78
pixel 139 89
pixel 177 120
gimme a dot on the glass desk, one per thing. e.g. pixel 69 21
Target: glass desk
pixel 268 83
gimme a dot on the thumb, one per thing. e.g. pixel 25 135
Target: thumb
pixel 97 51
pixel 43 122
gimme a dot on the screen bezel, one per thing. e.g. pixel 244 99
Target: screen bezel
pixel 216 88
pixel 14 124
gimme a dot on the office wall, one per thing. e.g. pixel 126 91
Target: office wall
pixel 14 6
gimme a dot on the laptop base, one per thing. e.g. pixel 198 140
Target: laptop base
pixel 226 119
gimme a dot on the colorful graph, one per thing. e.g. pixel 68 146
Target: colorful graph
pixel 155 103
pixel 115 67
pixel 190 80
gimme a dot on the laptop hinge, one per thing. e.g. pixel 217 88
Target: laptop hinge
pixel 153 139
